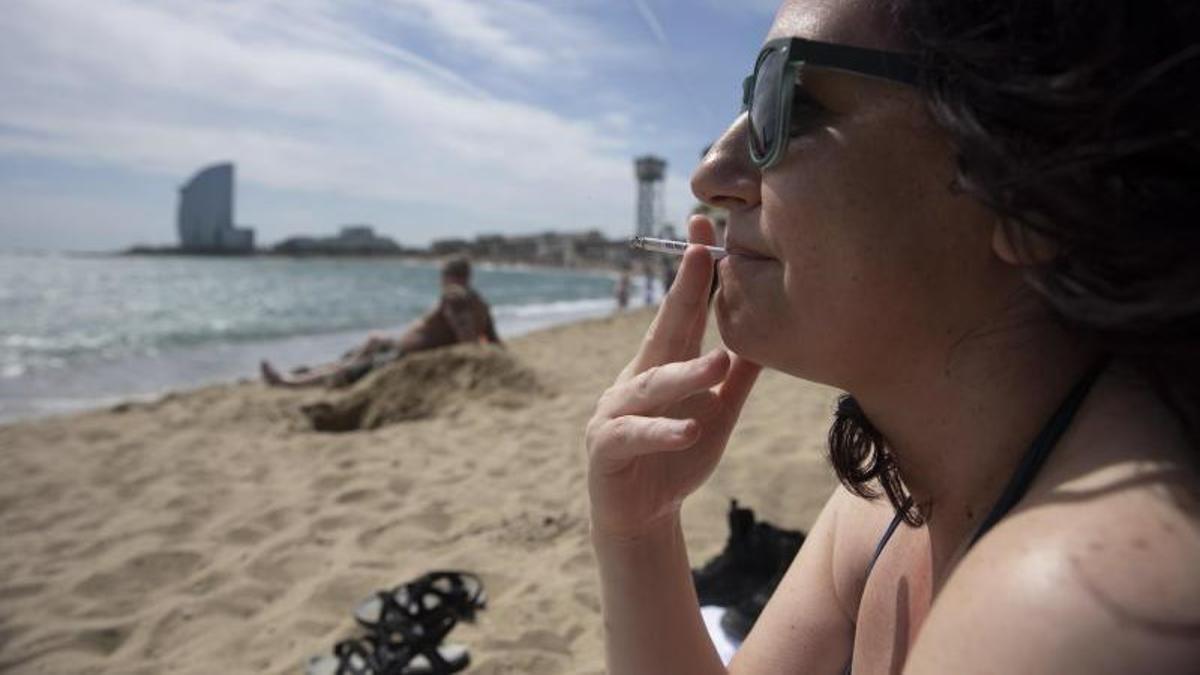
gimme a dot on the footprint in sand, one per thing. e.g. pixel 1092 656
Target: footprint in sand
pixel 579 562
pixel 207 583
pixel 355 496
pixel 10 632
pixel 399 485
pixel 103 641
pixel 245 536
pixel 18 591
pixel 434 518
pixel 132 488
pixel 142 573
pixel 91 436
pixel 289 562
pixel 275 520
pixel 534 640
pixel 59 549
pixel 587 600
pixel 19 524
pixel 327 483
pixel 338 594
pixel 242 601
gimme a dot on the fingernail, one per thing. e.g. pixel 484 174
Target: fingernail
pixel 682 427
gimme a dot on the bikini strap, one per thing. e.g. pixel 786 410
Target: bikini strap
pixel 1036 456
pixel 884 539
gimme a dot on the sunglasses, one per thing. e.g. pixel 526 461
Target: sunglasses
pixel 768 93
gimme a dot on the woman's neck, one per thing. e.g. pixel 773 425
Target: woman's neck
pixel 960 420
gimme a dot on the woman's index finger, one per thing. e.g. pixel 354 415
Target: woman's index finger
pixel 672 335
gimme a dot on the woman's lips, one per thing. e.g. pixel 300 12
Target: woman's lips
pixel 735 250
pixel 748 262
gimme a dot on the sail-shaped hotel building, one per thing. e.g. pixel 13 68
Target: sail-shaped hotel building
pixel 206 214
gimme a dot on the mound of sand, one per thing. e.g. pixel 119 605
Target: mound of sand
pixel 424 384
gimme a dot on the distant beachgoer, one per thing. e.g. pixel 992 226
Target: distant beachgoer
pixel 622 291
pixel 648 282
pixel 461 316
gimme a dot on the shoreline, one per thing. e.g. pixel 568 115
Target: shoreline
pixel 72 391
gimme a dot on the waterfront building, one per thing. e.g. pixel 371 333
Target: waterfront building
pixel 568 249
pixel 205 218
pixel 352 240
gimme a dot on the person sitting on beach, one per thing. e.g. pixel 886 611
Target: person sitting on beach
pixel 978 219
pixel 461 316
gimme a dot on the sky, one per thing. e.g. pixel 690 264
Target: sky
pixel 428 119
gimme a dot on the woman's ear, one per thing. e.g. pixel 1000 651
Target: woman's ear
pixel 1018 245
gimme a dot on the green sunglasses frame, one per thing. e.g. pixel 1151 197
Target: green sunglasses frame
pixel 797 52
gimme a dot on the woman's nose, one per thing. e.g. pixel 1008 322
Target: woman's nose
pixel 726 178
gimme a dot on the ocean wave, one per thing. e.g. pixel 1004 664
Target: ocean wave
pixel 555 307
pixel 64 314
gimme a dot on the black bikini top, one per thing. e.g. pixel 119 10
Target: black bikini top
pixel 1026 471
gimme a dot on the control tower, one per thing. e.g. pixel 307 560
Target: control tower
pixel 650 171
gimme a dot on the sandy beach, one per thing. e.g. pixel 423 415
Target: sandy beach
pixel 215 531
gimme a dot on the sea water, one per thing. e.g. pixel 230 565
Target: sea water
pixel 86 331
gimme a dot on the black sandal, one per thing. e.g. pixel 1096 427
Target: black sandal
pixel 425 600
pixel 368 655
pixel 406 627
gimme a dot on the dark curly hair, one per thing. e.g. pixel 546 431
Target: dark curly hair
pixel 1077 122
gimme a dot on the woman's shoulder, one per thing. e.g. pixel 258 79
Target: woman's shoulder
pixel 1095 571
pixel 1070 587
pixel 810 617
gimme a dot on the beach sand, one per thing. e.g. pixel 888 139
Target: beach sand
pixel 215 532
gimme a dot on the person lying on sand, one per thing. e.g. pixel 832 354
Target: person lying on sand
pixel 461 316
pixel 978 219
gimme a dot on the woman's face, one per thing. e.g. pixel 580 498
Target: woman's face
pixel 850 256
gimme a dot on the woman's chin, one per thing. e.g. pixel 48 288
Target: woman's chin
pixel 747 332
pixel 733 323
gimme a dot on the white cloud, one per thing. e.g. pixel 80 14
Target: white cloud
pixel 506 31
pixel 303 96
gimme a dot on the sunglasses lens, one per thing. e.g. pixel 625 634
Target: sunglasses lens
pixel 764 104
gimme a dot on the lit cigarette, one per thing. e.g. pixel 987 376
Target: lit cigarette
pixel 671 247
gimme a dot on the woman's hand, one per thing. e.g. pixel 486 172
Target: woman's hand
pixel 660 429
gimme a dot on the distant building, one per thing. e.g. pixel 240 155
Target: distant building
pixel 205 217
pixel 352 240
pixel 568 249
pixel 361 239
pixel 450 247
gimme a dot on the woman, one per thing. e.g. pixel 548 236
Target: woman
pixel 460 316
pixel 981 226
